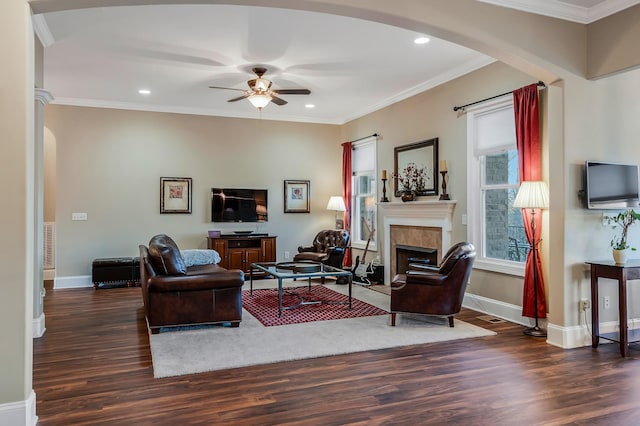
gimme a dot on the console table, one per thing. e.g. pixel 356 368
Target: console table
pixel 238 251
pixel 609 269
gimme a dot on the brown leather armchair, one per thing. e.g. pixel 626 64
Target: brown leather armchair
pixel 328 247
pixel 175 294
pixel 431 290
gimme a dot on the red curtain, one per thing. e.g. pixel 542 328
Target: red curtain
pixel 525 106
pixel 347 149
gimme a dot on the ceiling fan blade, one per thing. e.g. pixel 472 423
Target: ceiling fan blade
pixel 292 91
pixel 226 88
pixel 278 101
pixel 239 98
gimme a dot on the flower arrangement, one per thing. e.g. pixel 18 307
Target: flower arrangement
pixel 623 219
pixel 412 178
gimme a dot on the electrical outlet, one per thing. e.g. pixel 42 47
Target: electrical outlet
pixel 286 254
pixel 606 302
pixel 585 304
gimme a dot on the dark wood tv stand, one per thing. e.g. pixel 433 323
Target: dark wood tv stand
pixel 240 251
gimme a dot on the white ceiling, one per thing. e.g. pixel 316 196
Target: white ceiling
pixel 102 56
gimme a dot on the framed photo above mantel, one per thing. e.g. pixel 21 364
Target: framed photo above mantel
pixel 175 195
pixel 416 168
pixel 296 196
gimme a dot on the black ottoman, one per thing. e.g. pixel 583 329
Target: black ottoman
pixel 114 272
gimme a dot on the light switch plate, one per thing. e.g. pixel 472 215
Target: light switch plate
pixel 79 216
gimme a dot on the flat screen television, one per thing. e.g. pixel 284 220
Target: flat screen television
pixel 611 185
pixel 239 205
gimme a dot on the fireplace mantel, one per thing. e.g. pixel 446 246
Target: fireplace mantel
pixel 435 214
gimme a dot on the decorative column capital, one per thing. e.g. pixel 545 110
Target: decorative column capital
pixel 43 96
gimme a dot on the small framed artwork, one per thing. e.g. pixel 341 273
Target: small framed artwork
pixel 175 195
pixel 296 196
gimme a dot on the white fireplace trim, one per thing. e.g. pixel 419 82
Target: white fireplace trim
pixel 434 214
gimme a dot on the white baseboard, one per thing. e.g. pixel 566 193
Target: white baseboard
pixel 507 311
pixel 562 337
pixel 79 281
pixel 38 326
pixel 20 413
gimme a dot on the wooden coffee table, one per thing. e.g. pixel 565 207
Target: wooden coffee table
pixel 295 270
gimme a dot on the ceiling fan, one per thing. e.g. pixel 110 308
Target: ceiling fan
pixel 260 92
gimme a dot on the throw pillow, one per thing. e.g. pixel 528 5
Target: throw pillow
pixel 200 257
pixel 166 256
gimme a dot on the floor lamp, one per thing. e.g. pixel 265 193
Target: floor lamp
pixel 533 195
pixel 337 203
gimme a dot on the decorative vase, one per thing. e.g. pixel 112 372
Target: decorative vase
pixel 408 196
pixel 620 256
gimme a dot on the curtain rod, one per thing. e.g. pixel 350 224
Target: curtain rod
pixel 456 108
pixel 365 137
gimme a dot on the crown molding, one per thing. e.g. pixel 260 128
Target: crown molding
pixel 609 7
pixel 568 12
pixel 172 109
pixel 41 28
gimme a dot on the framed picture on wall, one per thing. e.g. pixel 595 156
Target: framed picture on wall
pixel 175 195
pixel 296 196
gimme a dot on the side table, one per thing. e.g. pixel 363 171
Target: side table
pixel 620 272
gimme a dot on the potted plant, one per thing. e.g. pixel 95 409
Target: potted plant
pixel 619 243
pixel 410 180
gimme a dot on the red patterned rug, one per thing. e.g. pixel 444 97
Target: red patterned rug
pixel 263 305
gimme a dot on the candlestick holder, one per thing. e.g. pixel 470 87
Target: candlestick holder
pixel 384 198
pixel 444 195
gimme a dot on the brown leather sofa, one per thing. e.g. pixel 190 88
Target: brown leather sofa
pixel 176 295
pixel 432 290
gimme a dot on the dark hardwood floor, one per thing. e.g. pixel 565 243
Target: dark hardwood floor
pixel 93 367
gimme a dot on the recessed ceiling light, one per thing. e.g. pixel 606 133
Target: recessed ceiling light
pixel 144 91
pixel 309 106
pixel 421 40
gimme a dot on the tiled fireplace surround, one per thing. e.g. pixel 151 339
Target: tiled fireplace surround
pixel 415 223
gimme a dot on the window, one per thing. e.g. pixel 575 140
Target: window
pixel 364 193
pixel 494 226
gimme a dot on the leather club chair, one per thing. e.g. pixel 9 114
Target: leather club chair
pixel 329 247
pixel 432 290
pixel 177 295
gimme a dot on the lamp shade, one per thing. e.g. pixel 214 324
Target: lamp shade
pixel 259 100
pixel 532 195
pixel 336 203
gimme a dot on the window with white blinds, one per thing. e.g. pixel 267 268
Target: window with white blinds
pixel 364 193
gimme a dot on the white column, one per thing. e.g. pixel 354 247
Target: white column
pixel 42 98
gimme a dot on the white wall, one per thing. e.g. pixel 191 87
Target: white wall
pixel 603 118
pixel 109 164
pixel 17 157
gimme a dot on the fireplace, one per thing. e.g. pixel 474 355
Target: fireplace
pixel 412 254
pixel 421 224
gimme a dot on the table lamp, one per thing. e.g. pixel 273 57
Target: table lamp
pixel 337 203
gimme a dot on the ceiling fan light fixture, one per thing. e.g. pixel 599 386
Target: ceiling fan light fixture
pixel 262 84
pixel 259 100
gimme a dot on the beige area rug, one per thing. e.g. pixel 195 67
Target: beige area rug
pixel 212 348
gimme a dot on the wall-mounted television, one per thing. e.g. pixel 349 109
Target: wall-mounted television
pixel 239 205
pixel 611 185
